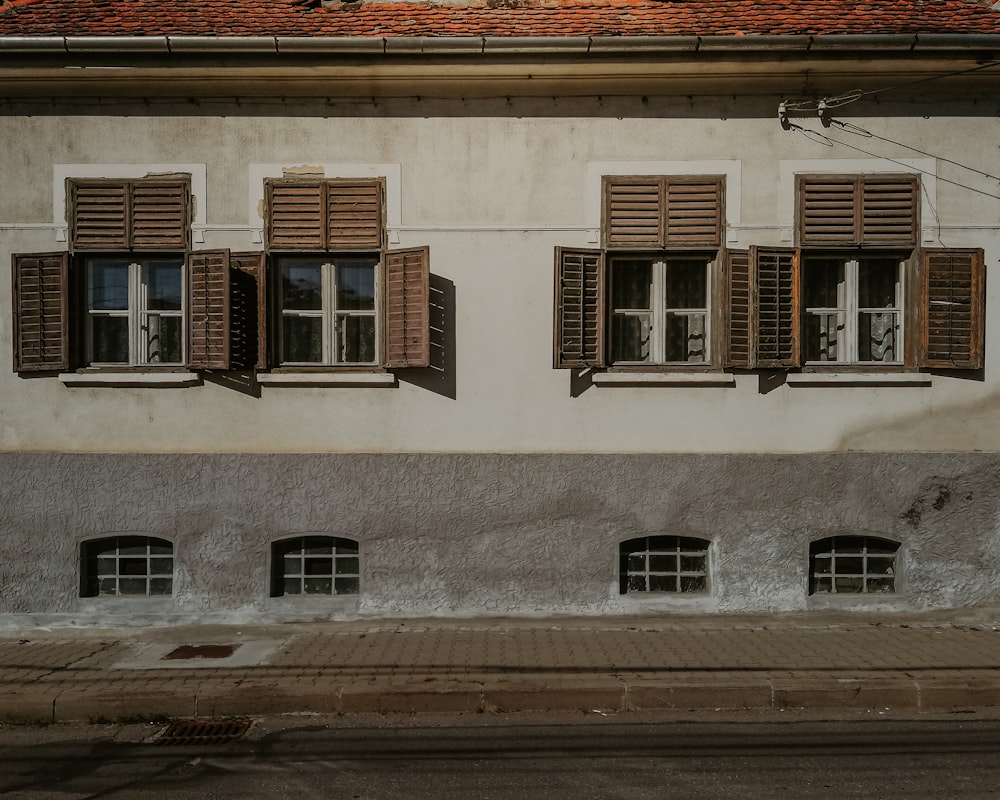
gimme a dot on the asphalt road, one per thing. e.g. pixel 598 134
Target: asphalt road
pixel 512 756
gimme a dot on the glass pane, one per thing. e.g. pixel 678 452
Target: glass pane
pixel 132 566
pixel 109 339
pixel 693 583
pixel 849 566
pixel 316 545
pixel 880 585
pixel 347 566
pixel 877 283
pixel 355 285
pixel 302 285
pixel 662 583
pixel 637 562
pixel 631 284
pixel 821 566
pixel 107 566
pixel 848 585
pixel 293 586
pixel 302 340
pixel 876 546
pixel 823 279
pixel 346 546
pixel 686 338
pixel 293 565
pixel 687 284
pixel 163 339
pixel 823 586
pixel 164 549
pixel 108 586
pixel 107 285
pixel 132 586
pixel 347 585
pixel 161 586
pixel 881 566
pixel 319 566
pixel 630 337
pixel 663 563
pixel 822 336
pixel 356 340
pixel 877 336
pixel 637 583
pixel 318 585
pixel 163 285
pixel 161 566
pixel 133 546
pixel 692 563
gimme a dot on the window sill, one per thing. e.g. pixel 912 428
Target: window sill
pixel 119 379
pixel 858 379
pixel 664 379
pixel 326 379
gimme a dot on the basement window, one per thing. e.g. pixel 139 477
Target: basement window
pixel 135 566
pixel 315 565
pixel 663 564
pixel 853 565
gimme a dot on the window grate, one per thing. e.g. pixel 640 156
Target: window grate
pixel 128 565
pixel 663 564
pixel 852 565
pixel 317 565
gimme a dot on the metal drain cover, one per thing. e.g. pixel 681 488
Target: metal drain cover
pixel 205 732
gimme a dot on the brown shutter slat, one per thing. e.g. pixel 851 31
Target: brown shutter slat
pixel 159 215
pixel 579 309
pixel 889 211
pixel 407 308
pixel 41 312
pixel 98 216
pixel 208 309
pixel 245 334
pixel 633 212
pixel 354 215
pixel 694 213
pixel 739 346
pixel 828 210
pixel 776 285
pixel 953 309
pixel 295 216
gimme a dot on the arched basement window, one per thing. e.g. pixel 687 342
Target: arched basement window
pixel 323 565
pixel 663 564
pixel 134 566
pixel 852 565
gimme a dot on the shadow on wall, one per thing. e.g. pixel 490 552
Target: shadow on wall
pixel 439 377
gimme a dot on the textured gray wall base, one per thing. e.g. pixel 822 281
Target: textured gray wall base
pixel 493 534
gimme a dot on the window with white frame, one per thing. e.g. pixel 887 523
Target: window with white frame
pixel 663 564
pixel 315 565
pixel 140 566
pixel 853 565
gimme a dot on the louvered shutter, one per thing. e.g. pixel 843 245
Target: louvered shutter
pixel 739 344
pixel 208 309
pixel 296 215
pixel 828 211
pixel 633 212
pixel 775 287
pixel 952 309
pixel 159 215
pixel 41 312
pixel 99 216
pixel 693 212
pixel 406 318
pixel 579 309
pixel 246 344
pixel 354 215
pixel 889 211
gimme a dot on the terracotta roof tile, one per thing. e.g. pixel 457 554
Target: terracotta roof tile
pixel 492 18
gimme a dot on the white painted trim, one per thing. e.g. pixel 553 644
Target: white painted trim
pixel 130 378
pixel 327 378
pixel 664 379
pixel 858 379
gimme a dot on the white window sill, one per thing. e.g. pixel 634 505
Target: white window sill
pixel 858 379
pixel 130 378
pixel 664 379
pixel 326 379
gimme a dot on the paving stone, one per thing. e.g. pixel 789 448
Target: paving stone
pixel 708 694
pixel 546 694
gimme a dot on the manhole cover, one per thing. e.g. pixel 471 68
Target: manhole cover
pixel 205 732
pixel 201 651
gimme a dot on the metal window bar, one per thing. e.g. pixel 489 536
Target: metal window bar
pixel 130 565
pixel 664 564
pixel 316 565
pixel 853 565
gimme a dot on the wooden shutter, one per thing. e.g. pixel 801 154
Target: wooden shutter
pixel 41 312
pixel 775 286
pixel 739 343
pixel 693 212
pixel 99 217
pixel 246 325
pixel 952 309
pixel 208 309
pixel 867 210
pixel 633 212
pixel 579 309
pixel 295 216
pixel 354 215
pixel 828 210
pixel 406 317
pixel 159 215
pixel 889 210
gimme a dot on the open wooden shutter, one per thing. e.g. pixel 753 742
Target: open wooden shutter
pixel 952 324
pixel 41 312
pixel 739 342
pixel 579 309
pixel 775 286
pixel 208 309
pixel 354 215
pixel 693 212
pixel 889 210
pixel 295 216
pixel 633 212
pixel 159 215
pixel 246 323
pixel 406 318
pixel 98 216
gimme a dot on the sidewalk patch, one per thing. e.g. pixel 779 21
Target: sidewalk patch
pixel 201 651
pixel 205 655
pixel 204 732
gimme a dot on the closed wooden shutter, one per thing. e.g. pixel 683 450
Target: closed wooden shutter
pixel 866 210
pixel 246 328
pixel 633 212
pixel 739 345
pixel 41 312
pixel 889 211
pixel 208 309
pixel 828 211
pixel 693 212
pixel 99 217
pixel 579 309
pixel 952 309
pixel 407 308
pixel 159 215
pixel 776 288
pixel 295 215
pixel 354 215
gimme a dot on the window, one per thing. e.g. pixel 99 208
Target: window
pixel 661 238
pixel 127 565
pixel 315 565
pixel 852 565
pixel 663 564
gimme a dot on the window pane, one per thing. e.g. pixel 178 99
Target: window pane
pixel 686 338
pixel 109 339
pixel 637 583
pixel 302 339
pixel 107 285
pixel 823 278
pixel 630 337
pixel 687 284
pixel 319 566
pixel 636 561
pixel 302 285
pixel 823 333
pixel 880 585
pixel 292 586
pixel 347 585
pixel 692 563
pixel 877 337
pixel 161 566
pixel 849 566
pixel 108 586
pixel 292 565
pixel 663 583
pixel 163 339
pixel 356 340
pixel 132 586
pixel 160 586
pixel 163 285
pixel 132 566
pixel 344 546
pixel 848 585
pixel 877 282
pixel 318 585
pixel 823 586
pixel 355 285
pixel 693 583
pixel 631 284
pixel 662 563
pixel 347 566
